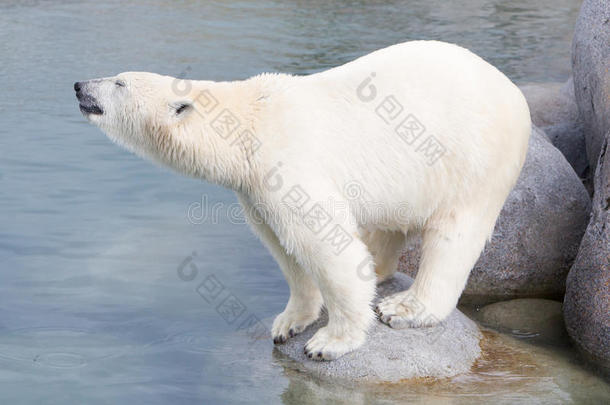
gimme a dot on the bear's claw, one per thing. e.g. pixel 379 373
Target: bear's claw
pixel 289 324
pixel 404 310
pixel 278 340
pixel 325 345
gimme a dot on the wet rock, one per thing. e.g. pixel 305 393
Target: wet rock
pixel 536 237
pixel 553 109
pixel 508 371
pixel 535 319
pixel 390 355
pixel 591 69
pixel 587 299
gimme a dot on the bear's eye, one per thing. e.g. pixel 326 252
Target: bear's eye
pixel 120 83
pixel 181 108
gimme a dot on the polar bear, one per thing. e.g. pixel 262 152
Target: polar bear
pixel 334 169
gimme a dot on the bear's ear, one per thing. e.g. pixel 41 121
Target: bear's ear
pixel 181 108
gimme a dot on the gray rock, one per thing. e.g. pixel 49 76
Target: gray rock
pixel 569 138
pixel 591 69
pixel 587 299
pixel 390 355
pixel 536 237
pixel 551 103
pixel 553 109
pixel 534 319
pixel 509 371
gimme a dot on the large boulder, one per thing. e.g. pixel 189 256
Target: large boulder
pixel 553 109
pixel 591 69
pixel 390 355
pixel 587 299
pixel 536 237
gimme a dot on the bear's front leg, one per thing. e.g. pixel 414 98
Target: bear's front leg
pixel 305 301
pixel 342 267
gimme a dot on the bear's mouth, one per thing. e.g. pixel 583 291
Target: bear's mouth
pixel 88 105
pixel 90 109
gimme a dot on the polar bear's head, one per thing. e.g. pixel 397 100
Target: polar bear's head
pixel 157 117
pixel 134 109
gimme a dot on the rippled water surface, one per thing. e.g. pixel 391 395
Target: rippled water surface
pixel 109 291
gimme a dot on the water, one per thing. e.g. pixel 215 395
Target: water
pixel 93 240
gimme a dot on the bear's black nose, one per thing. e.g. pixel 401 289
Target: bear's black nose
pixel 77 86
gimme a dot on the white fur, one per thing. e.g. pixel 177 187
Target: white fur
pixel 321 135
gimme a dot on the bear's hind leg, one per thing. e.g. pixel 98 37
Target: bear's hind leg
pixel 385 247
pixel 452 243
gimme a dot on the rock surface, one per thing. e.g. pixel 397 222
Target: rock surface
pixel 553 109
pixel 537 234
pixel 587 299
pixel 591 69
pixel 508 371
pixel 390 355
pixel 532 318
